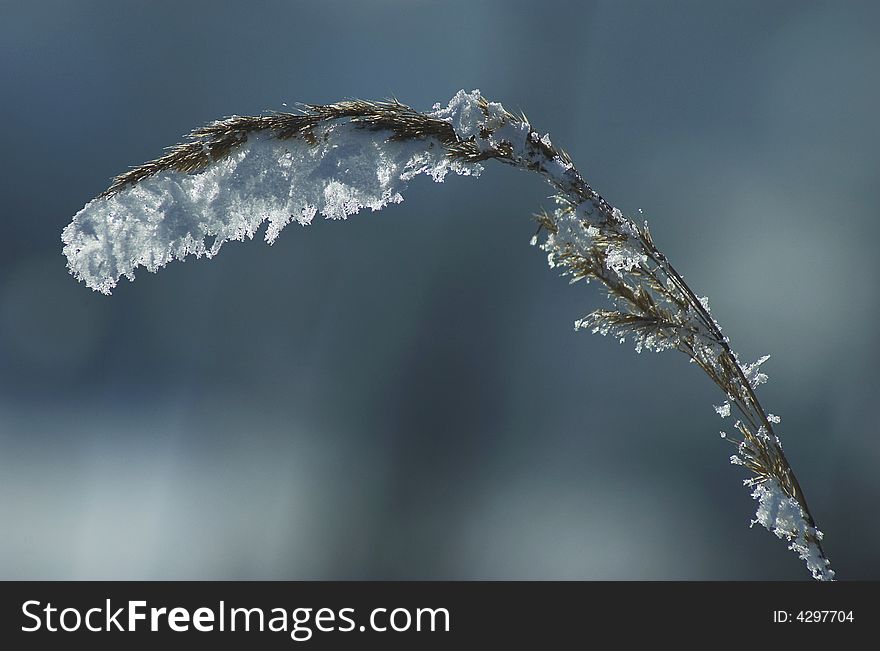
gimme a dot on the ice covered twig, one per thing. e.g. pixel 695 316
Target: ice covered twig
pixel 234 174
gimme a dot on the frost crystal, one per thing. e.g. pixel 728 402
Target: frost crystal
pixel 464 114
pixel 723 410
pixel 782 515
pixel 752 373
pixel 488 127
pixel 621 259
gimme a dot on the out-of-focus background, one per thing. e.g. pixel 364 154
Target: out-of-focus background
pixel 403 395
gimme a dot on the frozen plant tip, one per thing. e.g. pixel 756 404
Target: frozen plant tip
pixel 234 174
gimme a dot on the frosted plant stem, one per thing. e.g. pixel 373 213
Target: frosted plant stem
pixel 233 175
pixel 798 492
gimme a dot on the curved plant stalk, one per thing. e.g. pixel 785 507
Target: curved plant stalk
pixel 584 237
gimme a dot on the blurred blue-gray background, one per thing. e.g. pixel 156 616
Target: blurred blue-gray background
pixel 403 395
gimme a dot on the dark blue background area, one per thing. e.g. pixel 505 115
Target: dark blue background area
pixel 403 395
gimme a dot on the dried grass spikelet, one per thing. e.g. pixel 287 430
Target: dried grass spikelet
pixel 585 238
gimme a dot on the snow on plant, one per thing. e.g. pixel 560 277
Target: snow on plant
pixel 234 174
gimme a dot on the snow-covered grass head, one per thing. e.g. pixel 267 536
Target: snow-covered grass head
pixel 235 174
